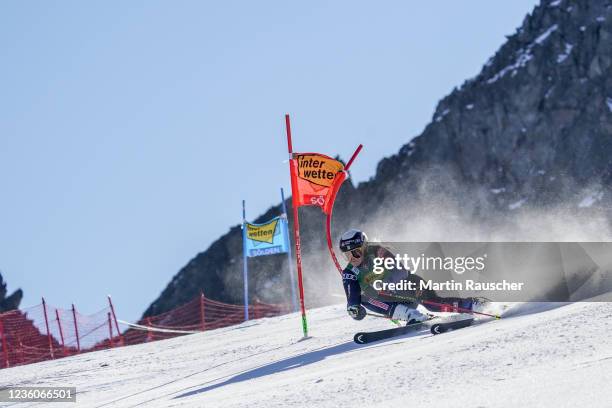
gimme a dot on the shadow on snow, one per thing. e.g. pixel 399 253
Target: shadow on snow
pixel 289 364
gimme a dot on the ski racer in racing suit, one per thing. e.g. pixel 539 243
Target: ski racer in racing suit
pixel 357 280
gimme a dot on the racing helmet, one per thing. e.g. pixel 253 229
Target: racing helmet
pixel 353 239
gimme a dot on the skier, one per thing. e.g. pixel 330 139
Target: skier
pixel 358 276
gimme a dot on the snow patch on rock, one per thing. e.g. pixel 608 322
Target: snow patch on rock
pixel 523 56
pixel 410 150
pixel 442 115
pixel 517 205
pixel 546 34
pixel 549 92
pixel 590 199
pixel 563 56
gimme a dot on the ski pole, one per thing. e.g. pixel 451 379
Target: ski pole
pixel 377 315
pixel 383 317
pixel 459 309
pixel 455 308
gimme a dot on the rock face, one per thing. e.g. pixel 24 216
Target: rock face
pixel 533 130
pixel 538 116
pixel 11 302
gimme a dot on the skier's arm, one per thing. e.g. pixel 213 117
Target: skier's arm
pixel 351 287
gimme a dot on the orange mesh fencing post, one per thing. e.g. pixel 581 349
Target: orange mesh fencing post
pixel 59 325
pixel 4 346
pixel 149 332
pixel 19 356
pixel 47 325
pixel 110 330
pixel 202 320
pixel 110 302
pixel 76 328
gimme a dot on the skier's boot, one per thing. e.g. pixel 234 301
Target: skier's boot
pixel 475 304
pixel 408 314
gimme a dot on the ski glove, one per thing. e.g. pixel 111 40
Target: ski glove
pixel 357 312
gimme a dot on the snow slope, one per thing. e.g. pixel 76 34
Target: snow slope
pixel 539 355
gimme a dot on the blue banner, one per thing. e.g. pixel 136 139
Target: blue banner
pixel 266 239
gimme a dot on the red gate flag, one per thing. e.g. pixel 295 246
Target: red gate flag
pixel 315 180
pixel 313 175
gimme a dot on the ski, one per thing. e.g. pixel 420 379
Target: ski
pixel 369 337
pixel 443 327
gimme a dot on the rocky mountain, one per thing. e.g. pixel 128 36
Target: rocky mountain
pixel 9 302
pixel 531 132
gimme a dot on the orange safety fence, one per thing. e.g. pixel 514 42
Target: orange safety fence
pixel 44 332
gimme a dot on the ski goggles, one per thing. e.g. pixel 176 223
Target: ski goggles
pixel 355 253
pixel 348 245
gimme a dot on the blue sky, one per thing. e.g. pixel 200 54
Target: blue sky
pixel 131 131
